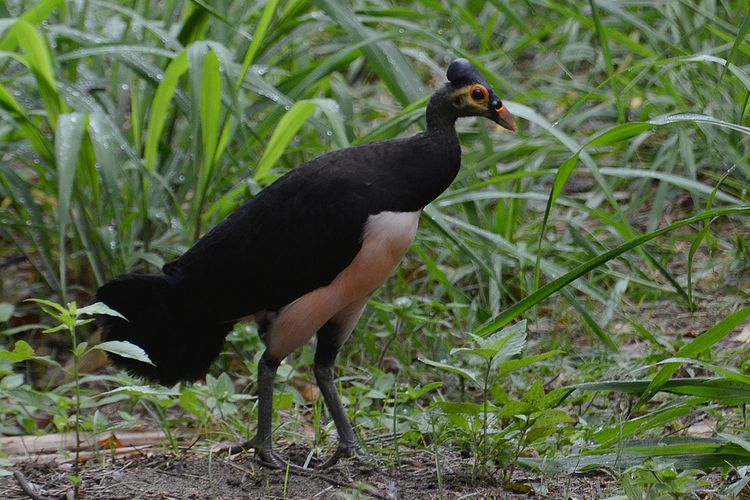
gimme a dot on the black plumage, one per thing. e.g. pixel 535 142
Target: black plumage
pixel 295 237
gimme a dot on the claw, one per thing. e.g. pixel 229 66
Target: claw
pixel 264 455
pixel 239 448
pixel 353 451
pixel 271 459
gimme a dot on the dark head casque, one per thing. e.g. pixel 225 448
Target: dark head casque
pixel 461 73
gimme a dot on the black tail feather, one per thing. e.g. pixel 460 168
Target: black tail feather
pixel 178 336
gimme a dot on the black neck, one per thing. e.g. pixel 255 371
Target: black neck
pixel 441 115
pixel 433 157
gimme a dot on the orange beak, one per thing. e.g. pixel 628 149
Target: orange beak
pixel 504 118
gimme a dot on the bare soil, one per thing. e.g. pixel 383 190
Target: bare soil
pixel 222 477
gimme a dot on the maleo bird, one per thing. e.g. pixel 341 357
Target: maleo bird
pixel 303 257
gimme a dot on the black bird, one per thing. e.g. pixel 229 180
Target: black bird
pixel 303 257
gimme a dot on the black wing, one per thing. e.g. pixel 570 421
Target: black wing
pixel 294 236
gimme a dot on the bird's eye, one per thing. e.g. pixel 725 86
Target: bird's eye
pixel 478 93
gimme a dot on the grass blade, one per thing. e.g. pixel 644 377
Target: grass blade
pixel 160 108
pixel 384 57
pixel 537 296
pixel 282 135
pixel 604 43
pixel 67 152
pixel 259 35
pixel 741 35
pixel 699 344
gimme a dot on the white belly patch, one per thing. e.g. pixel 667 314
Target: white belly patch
pixel 387 238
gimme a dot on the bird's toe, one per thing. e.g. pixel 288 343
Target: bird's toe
pixel 352 451
pixel 266 457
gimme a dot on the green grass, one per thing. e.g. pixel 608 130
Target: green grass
pixel 127 129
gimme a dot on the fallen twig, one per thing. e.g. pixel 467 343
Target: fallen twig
pixel 27 488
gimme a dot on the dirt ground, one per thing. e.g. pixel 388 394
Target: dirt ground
pixel 222 477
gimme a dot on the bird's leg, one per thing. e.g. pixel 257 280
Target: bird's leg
pixel 329 342
pixel 262 442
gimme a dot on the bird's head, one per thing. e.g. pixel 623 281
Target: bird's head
pixel 471 95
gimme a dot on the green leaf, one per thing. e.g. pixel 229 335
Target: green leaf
pixel 654 419
pixel 555 397
pixel 535 394
pixel 383 56
pixel 40 10
pixel 207 7
pixel 331 109
pixel 686 453
pixel 484 353
pixel 49 303
pixel 701 236
pixel 677 180
pixel 540 431
pixel 22 351
pixel 456 408
pixel 6 311
pixel 80 349
pixel 68 141
pixel 728 392
pixel 124 349
pixel 698 118
pixel 10 382
pixel 699 344
pixel 514 364
pixel 450 368
pixel 508 342
pixel 210 106
pixel 55 329
pixel 550 288
pixel 67 153
pixel 286 129
pixel 160 108
pixel 607 55
pixel 100 308
pixel 30 129
pixel 418 393
pixel 499 346
pixel 191 402
pixel 259 35
pixel 741 75
pixel 744 443
pixel 375 394
pixel 558 184
pixel 727 372
pixel 223 386
pixel 37 54
pixel 619 133
pixel 516 408
pixel 741 35
pixel 143 390
pixel 589 320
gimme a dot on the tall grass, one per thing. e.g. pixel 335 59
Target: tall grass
pixel 130 128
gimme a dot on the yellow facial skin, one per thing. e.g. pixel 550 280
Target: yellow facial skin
pixel 474 100
pixel 472 97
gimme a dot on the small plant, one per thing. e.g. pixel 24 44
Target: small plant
pixel 653 481
pixel 215 401
pixel 71 317
pixel 499 428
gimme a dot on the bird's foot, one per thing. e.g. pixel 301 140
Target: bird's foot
pixel 264 455
pixel 353 451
